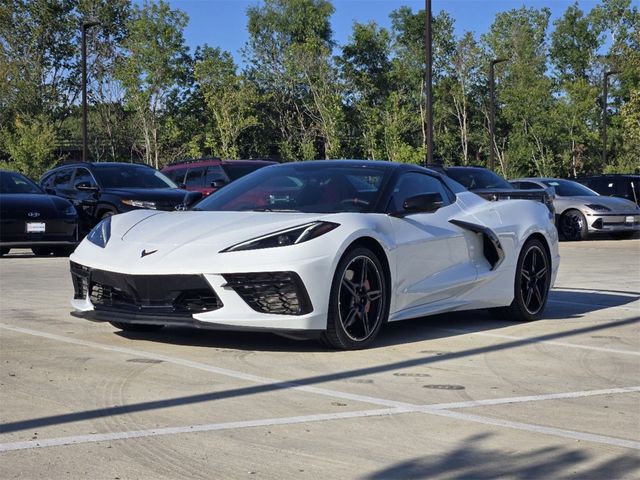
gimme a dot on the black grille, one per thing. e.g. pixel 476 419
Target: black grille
pixel 281 293
pixel 180 295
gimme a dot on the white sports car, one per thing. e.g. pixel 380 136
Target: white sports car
pixel 337 248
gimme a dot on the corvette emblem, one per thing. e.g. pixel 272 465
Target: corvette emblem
pixel 144 253
pixel 33 214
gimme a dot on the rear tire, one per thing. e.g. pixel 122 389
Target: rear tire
pixel 531 285
pixel 136 327
pixel 358 303
pixel 573 226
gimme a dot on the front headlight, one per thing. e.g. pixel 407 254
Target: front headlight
pixel 290 236
pixel 100 234
pixel 140 204
pixel 597 207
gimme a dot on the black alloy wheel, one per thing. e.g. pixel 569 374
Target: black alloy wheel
pixel 358 305
pixel 573 225
pixel 531 284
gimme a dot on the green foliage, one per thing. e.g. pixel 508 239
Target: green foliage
pixel 151 99
pixel 31 146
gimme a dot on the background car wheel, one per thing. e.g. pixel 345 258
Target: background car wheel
pixel 136 327
pixel 4 251
pixel 63 251
pixel 358 303
pixel 531 285
pixel 42 251
pixel 573 225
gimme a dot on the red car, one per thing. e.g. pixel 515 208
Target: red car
pixel 206 175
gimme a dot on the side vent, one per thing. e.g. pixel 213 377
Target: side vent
pixel 491 246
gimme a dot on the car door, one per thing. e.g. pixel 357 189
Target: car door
pixel 432 255
pixel 85 201
pixel 61 183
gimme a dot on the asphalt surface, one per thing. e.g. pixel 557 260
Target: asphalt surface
pixel 452 396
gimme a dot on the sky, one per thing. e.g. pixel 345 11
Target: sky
pixel 222 23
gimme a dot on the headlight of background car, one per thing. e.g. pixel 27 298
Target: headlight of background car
pixel 290 236
pixel 140 204
pixel 100 234
pixel 597 207
pixel 70 211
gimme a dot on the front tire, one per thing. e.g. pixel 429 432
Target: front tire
pixel 573 226
pixel 358 303
pixel 531 284
pixel 136 327
pixel 42 251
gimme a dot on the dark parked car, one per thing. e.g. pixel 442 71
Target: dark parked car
pixel 102 189
pixel 492 186
pixel 618 185
pixel 29 218
pixel 206 175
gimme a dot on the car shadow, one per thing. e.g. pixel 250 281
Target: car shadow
pixel 563 304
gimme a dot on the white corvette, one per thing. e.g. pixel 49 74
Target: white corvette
pixel 332 247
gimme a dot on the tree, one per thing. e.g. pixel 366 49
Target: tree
pixel 30 146
pixel 153 67
pixel 298 90
pixel 229 98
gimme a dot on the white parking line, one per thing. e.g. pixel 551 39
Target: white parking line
pixel 399 407
pixel 534 398
pixel 543 342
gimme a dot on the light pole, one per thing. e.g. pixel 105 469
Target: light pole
pixel 427 81
pixel 85 26
pixel 605 93
pixel 492 110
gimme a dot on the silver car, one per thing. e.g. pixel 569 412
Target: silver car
pixel 581 211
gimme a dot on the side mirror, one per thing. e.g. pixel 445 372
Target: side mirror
pixel 218 183
pixel 423 203
pixel 86 187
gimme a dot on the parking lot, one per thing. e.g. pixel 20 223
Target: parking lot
pixel 453 396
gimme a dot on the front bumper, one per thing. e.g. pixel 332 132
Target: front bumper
pixel 237 301
pixel 613 222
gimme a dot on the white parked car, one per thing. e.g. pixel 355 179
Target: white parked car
pixel 336 248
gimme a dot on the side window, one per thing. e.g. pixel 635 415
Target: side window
pixel 214 172
pixel 176 175
pixel 47 182
pixel 83 175
pixel 63 178
pixel 414 183
pixel 194 177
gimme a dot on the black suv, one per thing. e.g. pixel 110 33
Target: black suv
pixel 102 189
pixel 614 185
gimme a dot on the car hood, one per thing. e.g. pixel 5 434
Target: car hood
pixel 18 205
pixel 218 230
pixel 615 204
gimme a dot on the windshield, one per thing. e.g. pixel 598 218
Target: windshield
pixel 567 188
pixel 301 187
pixel 477 178
pixel 131 176
pixel 11 182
